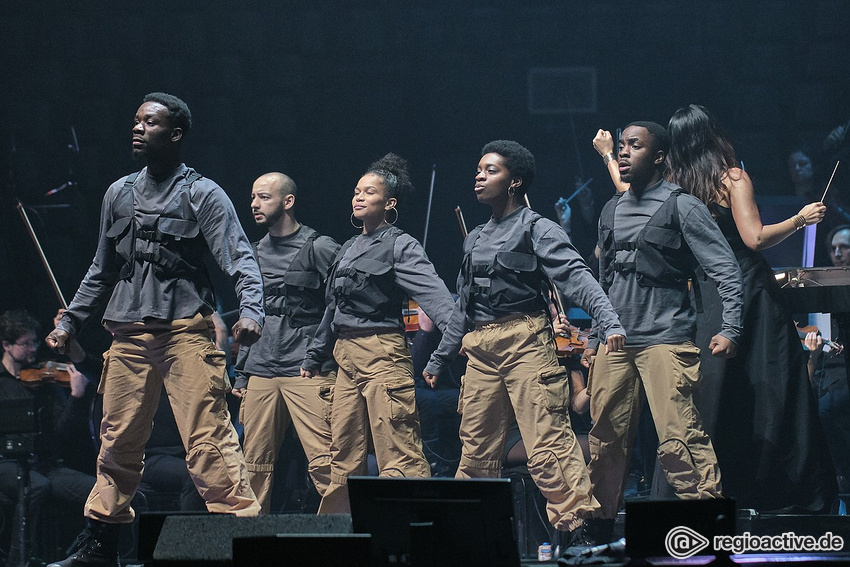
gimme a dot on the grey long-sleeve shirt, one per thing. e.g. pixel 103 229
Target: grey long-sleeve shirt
pixel 560 262
pixel 282 348
pixel 414 274
pixel 657 315
pixel 147 295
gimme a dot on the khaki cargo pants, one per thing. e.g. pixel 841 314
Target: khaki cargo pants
pixel 181 356
pixel 668 374
pixel 513 370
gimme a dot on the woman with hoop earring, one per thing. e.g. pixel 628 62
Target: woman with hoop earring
pixel 374 274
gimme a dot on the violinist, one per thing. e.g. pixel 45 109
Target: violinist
pixel 62 422
pixel 828 375
pixel 500 320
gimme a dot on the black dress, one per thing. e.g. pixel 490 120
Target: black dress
pixel 758 407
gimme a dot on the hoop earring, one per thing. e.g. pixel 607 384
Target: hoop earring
pixel 511 191
pixel 351 220
pixel 395 220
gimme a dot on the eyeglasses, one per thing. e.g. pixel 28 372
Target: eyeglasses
pixel 25 344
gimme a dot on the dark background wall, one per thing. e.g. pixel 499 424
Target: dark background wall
pixel 321 89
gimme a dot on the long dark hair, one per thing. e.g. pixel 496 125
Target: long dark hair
pixel 700 153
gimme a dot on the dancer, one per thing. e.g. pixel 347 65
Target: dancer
pixel 374 273
pixel 156 226
pixel 652 237
pixel 501 321
pixel 294 260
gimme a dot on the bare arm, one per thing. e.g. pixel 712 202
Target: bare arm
pixel 604 144
pixel 746 214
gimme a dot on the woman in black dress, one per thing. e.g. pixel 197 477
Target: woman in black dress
pixel 768 441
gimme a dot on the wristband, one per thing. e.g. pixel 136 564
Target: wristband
pixel 608 157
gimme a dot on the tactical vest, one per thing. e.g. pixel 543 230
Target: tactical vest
pixel 302 293
pixel 662 257
pixel 366 288
pixel 513 282
pixel 177 249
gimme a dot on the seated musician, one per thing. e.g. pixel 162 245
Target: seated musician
pixel 828 374
pixel 62 413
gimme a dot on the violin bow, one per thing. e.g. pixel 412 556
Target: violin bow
pixel 430 200
pixel 460 220
pixel 28 224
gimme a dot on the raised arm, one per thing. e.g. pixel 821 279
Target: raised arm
pixel 604 144
pixel 746 214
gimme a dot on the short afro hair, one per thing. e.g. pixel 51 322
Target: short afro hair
pixel 518 160
pixel 15 324
pixel 178 111
pixel 657 132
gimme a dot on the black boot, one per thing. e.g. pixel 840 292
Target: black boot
pixel 97 546
pixel 592 532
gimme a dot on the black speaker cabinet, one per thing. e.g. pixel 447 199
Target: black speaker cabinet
pixel 676 528
pixel 207 540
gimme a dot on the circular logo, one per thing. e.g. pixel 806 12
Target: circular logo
pixel 683 542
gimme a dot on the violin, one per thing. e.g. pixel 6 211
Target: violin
pixel 47 372
pixel 803 331
pixel 411 317
pixel 571 343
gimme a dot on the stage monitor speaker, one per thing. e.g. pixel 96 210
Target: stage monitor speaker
pixel 676 528
pixel 150 526
pixel 303 550
pixel 207 540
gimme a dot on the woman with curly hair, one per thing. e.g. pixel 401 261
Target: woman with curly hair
pixel 501 321
pixel 373 275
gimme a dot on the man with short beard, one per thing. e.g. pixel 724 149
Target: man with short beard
pixel 156 228
pixel 294 261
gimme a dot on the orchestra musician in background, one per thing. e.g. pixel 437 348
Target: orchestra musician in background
pixel 63 412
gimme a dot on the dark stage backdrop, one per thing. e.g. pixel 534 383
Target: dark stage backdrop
pixel 321 89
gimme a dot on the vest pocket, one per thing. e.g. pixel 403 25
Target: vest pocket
pixel 663 237
pixel 178 228
pixel 119 226
pixel 308 280
pixel 517 261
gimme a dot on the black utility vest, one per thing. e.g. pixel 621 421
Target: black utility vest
pixel 179 248
pixel 662 257
pixel 302 291
pixel 366 288
pixel 513 282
